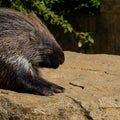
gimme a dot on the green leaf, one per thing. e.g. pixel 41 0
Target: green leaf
pixel 80 44
pixel 90 39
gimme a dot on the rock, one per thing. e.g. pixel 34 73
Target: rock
pixel 92 85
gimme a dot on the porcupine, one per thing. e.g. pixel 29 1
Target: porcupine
pixel 25 45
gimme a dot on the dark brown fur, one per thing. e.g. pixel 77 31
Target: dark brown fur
pixel 25 45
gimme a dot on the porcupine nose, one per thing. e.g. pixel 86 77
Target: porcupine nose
pixel 57 58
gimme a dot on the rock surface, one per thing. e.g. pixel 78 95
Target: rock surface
pixel 92 85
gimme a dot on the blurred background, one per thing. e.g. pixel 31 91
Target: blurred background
pixel 87 26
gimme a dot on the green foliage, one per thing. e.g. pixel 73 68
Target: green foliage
pixel 95 3
pixel 54 12
pixel 85 38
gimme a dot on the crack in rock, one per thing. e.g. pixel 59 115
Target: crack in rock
pixel 86 112
pixel 73 84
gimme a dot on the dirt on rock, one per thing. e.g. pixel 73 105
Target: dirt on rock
pixel 92 84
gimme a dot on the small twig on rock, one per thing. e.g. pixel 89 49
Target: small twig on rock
pixel 76 85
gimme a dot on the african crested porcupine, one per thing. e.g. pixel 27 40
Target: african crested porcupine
pixel 25 45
